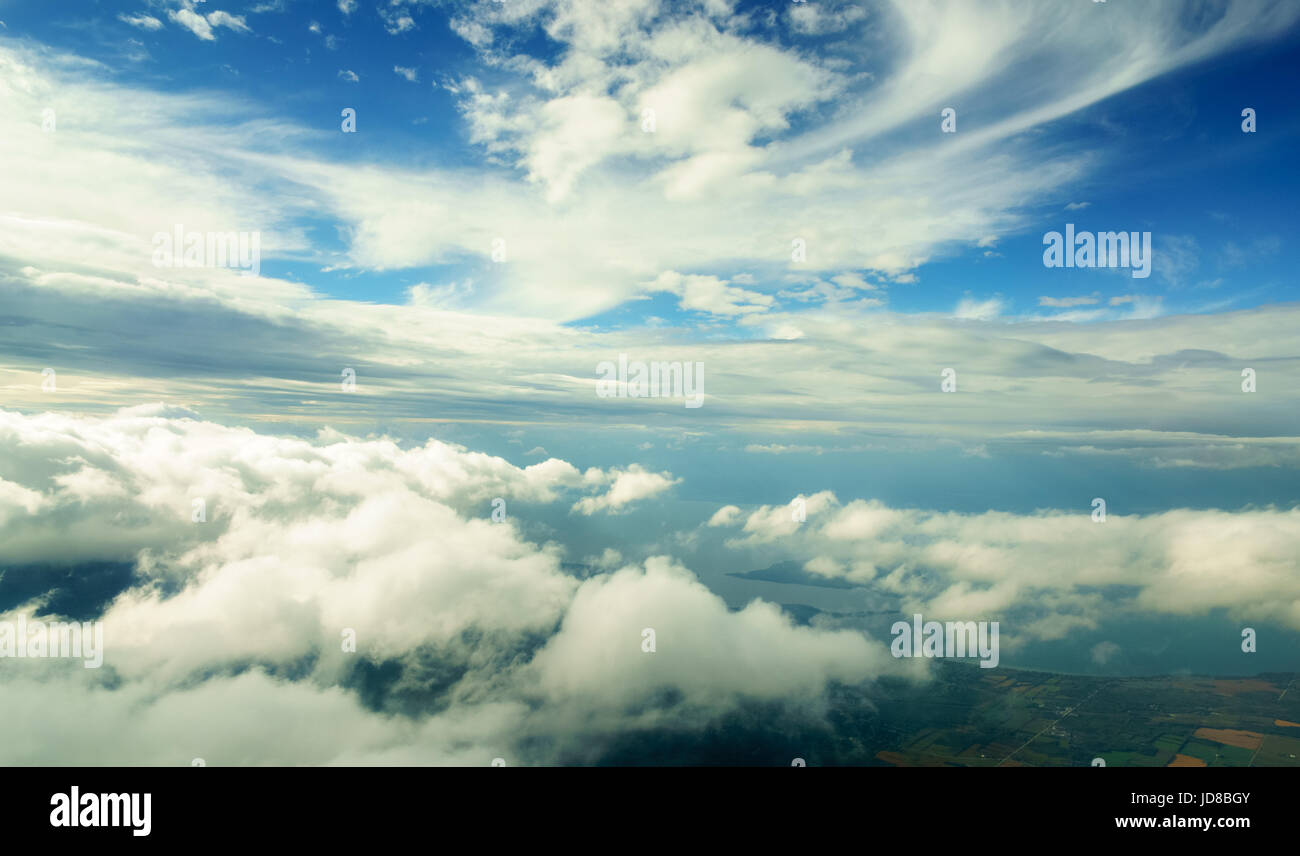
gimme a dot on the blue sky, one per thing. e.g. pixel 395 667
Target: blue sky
pixel 1167 155
pixel 535 187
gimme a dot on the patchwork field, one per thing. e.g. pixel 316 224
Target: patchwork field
pixel 970 718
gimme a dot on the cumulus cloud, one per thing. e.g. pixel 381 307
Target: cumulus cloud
pixel 192 21
pixel 724 516
pixel 710 295
pixel 773 522
pixel 199 24
pixel 230 628
pixel 1049 568
pixel 701 648
pixel 626 487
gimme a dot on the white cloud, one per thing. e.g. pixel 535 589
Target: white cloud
pixel 144 22
pixel 1047 569
pixel 627 487
pixel 1104 652
pixel 724 516
pixel 396 23
pixel 225 19
pixel 87 260
pixel 229 631
pixel 202 26
pixel 192 21
pixel 817 19
pixel 1067 302
pixel 710 295
pixel 701 648
pixel 572 133
pixel 741 128
pixel 775 522
pixel 424 294
pixel 971 309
